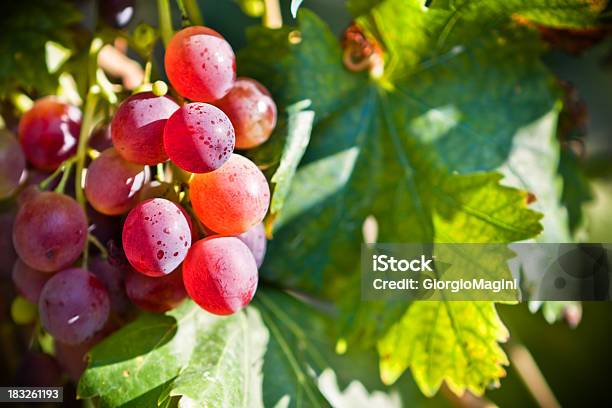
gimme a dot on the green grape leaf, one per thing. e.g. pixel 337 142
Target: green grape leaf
pixel 553 13
pixel 188 353
pixel 299 127
pixel 23 54
pixel 414 149
pixel 378 152
pixel 272 352
pixel 533 166
pixel 454 342
pixel 301 348
pixel 288 377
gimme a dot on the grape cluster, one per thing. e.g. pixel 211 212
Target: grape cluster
pixel 169 209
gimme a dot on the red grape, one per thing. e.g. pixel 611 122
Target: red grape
pixel 156 237
pixel 255 239
pixel 138 126
pixel 27 193
pixel 231 199
pixel 12 164
pixel 28 281
pixel 50 231
pixel 199 137
pixel 155 294
pixel 73 305
pixel 220 274
pixel 49 132
pixel 200 64
pixel 112 183
pixel 112 276
pixel 251 110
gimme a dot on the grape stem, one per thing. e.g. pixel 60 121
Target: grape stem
pixel 146 79
pixel 86 126
pixel 66 164
pixel 193 11
pixel 62 184
pixel 190 12
pixel 272 17
pixel 165 20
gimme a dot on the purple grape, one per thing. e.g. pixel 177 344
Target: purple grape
pixel 112 276
pixel 8 256
pixel 38 370
pixel 112 183
pixel 12 164
pixel 29 282
pixel 255 239
pixel 73 306
pixel 50 231
pixel 72 358
pixel 155 294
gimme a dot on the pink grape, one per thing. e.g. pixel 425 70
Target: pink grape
pixel 199 137
pixel 231 199
pixel 220 274
pixel 27 193
pixel 28 281
pixel 73 306
pixel 255 239
pixel 49 132
pixel 50 231
pixel 138 126
pixel 200 64
pixel 156 237
pixel 155 295
pixel 251 110
pixel 12 164
pixel 112 183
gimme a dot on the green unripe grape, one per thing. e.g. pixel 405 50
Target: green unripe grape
pixel 159 88
pixel 252 8
pixel 144 36
pixel 22 311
